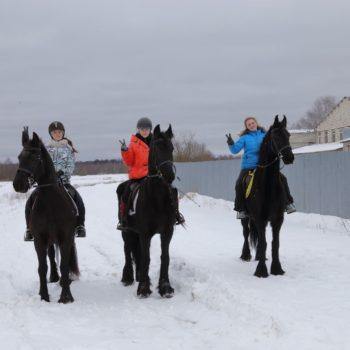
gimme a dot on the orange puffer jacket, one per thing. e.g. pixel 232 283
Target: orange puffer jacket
pixel 136 158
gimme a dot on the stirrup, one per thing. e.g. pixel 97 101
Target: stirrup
pixel 28 237
pixel 80 231
pixel 242 215
pixel 290 208
pixel 180 220
pixel 122 227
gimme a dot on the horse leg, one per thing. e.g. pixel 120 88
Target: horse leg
pixel 128 271
pixel 276 268
pixel 144 289
pixel 54 277
pixel 164 287
pixel 261 269
pixel 66 295
pixel 41 252
pixel 245 256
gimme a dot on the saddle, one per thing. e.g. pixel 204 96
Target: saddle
pixel 247 183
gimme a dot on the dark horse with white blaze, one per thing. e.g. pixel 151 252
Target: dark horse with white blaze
pixel 155 213
pixel 267 199
pixel 53 217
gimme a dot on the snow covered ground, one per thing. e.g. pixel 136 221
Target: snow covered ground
pixel 218 303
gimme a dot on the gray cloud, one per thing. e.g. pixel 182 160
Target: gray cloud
pixel 202 65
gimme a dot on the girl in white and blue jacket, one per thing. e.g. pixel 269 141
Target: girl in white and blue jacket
pixel 62 153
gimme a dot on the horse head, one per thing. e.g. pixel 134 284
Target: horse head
pixel 279 140
pixel 30 166
pixel 161 154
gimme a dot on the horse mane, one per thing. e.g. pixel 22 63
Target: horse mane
pixel 265 146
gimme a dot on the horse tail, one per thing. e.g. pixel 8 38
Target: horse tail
pixel 73 261
pixel 253 234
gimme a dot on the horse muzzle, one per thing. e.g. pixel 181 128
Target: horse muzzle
pixel 21 182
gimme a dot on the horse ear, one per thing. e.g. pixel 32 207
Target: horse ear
pixel 169 132
pixel 284 121
pixel 25 136
pixel 36 139
pixel 276 122
pixel 156 131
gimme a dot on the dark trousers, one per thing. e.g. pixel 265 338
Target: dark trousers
pixel 240 190
pixel 72 192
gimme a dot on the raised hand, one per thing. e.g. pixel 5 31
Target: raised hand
pixel 229 140
pixel 124 147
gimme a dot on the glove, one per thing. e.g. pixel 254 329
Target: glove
pixel 229 141
pixel 124 147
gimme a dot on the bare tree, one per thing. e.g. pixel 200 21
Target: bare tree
pixel 320 109
pixel 187 149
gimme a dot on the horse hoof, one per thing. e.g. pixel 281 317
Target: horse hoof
pixel 45 298
pixel 277 270
pixel 143 290
pixel 246 257
pixel 54 278
pixel 165 290
pixel 261 271
pixel 66 299
pixel 127 282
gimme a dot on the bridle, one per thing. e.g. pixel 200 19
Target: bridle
pixel 278 152
pixel 157 166
pixel 31 172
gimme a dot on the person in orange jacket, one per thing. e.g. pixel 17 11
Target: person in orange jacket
pixel 135 156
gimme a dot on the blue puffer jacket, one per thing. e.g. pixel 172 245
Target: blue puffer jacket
pixel 251 143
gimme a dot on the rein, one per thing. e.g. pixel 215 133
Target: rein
pixel 279 154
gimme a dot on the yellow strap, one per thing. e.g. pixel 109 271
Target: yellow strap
pixel 250 185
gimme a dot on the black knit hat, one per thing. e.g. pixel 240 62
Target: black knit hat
pixel 144 123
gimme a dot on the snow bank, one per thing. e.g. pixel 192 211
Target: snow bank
pixel 218 303
pixel 319 147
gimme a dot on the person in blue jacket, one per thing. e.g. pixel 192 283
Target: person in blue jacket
pixel 250 141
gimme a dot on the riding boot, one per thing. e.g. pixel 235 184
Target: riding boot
pixel 240 200
pixel 290 206
pixel 122 224
pixel 179 218
pixel 28 237
pixel 80 230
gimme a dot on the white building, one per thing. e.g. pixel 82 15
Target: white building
pixel 302 137
pixel 335 127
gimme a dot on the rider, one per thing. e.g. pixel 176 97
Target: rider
pixel 62 152
pixel 135 156
pixel 250 140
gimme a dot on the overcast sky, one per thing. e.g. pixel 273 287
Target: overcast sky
pixel 202 66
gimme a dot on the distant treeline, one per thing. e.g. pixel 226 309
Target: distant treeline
pixel 94 167
pixel 7 171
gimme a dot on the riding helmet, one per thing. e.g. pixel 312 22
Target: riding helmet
pixel 144 123
pixel 56 126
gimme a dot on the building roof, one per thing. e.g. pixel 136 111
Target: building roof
pixel 319 147
pixel 300 131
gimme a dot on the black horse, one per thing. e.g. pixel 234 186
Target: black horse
pixel 267 199
pixel 155 213
pixel 53 217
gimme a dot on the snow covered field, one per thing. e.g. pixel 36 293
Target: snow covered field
pixel 218 303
